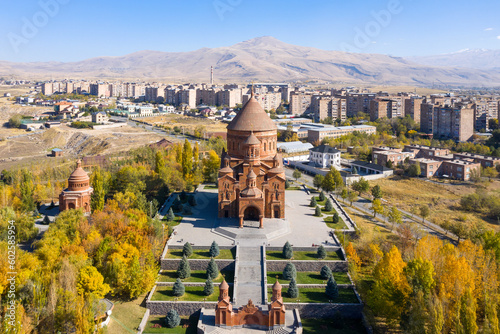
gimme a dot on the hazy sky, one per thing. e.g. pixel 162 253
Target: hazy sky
pixel 74 30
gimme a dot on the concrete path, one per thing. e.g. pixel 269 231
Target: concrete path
pixel 249 274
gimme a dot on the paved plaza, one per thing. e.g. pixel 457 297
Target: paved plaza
pixel 300 227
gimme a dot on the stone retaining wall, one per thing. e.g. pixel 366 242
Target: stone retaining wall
pixel 177 247
pixel 325 311
pixel 183 308
pixel 304 249
pixel 313 286
pixel 198 264
pixel 279 265
pixel 216 285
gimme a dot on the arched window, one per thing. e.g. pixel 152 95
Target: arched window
pixel 264 146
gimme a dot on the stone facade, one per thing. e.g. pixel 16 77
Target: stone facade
pixel 251 179
pixel 336 266
pixel 78 193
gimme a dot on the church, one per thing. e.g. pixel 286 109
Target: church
pixel 251 180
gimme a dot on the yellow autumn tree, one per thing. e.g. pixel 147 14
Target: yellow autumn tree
pixel 391 290
pixel 90 281
pixel 352 255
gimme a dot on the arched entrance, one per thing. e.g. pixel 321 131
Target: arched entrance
pixel 71 206
pixel 251 320
pixel 251 213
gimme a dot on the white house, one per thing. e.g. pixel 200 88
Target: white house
pixel 324 156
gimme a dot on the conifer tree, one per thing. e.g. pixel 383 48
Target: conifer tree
pixel 332 290
pixel 187 250
pixel 170 215
pixel 335 218
pixel 321 252
pixel 214 249
pixel 184 270
pixel 328 205
pixel 289 272
pixel 212 269
pixel 326 272
pixel 287 251
pixel 317 212
pixel 293 290
pixel 313 203
pixel 172 319
pixel 209 287
pixel 321 196
pixel 178 290
pixel 97 199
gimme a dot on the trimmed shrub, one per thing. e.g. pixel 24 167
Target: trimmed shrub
pixel 289 272
pixel 214 249
pixel 178 288
pixel 184 270
pixel 187 250
pixel 287 184
pixel 332 290
pixel 321 252
pixel 287 251
pixel 317 212
pixel 313 202
pixel 328 205
pixel 326 272
pixel 172 319
pixel 322 196
pixel 209 287
pixel 335 218
pixel 212 269
pixel 293 290
pixel 46 220
pixel 170 215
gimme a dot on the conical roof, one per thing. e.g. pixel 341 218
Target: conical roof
pixel 78 175
pixel 224 285
pixel 252 140
pixel 276 286
pixel 252 118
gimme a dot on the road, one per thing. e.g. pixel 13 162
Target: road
pixel 363 205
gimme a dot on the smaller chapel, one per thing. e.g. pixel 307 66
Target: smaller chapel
pixel 78 193
pixel 251 179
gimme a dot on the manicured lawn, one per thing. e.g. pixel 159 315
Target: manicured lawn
pixel 127 315
pixel 301 256
pixel 294 188
pixel 308 277
pixel 336 226
pixel 225 254
pixel 211 186
pixel 156 324
pixel 199 276
pixel 318 296
pixel 333 326
pixel 193 293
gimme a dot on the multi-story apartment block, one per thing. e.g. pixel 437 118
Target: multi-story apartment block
pixel 327 106
pixel 207 96
pixel 268 101
pixel 453 122
pixel 359 102
pixel 299 103
pixel 382 157
pixel 100 90
pixel 47 88
pixel 484 160
pixel 386 107
pixel 427 152
pixel 229 97
pixel 455 169
pixel 413 107
pixel 187 98
pixel 484 110
pixel 155 94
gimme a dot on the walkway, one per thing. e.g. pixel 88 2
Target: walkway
pixel 249 276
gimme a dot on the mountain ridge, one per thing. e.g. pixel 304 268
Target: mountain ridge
pixel 264 59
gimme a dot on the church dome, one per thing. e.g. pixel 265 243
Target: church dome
pixel 224 285
pixel 252 175
pixel 79 179
pixel 277 286
pixel 252 118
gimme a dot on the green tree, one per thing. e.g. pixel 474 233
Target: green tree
pixel 360 186
pixel 287 251
pixel 187 250
pixel 351 196
pixel 424 211
pixel 178 288
pixel 173 319
pixel 209 287
pixel 328 205
pixel 293 290
pixel 376 191
pixel 211 165
pixel 335 218
pixel 46 220
pixel 170 215
pixel 414 170
pixel 27 188
pixel 287 184
pixel 318 181
pixel 290 271
pixel 489 172
pixel 187 159
pixel 97 199
pixel 214 249
pixel 332 290
pixel 332 180
pixel 317 212
pixel 90 281
pixel 15 121
pixel 184 270
pixel 212 269
pixel 321 196
pixel 159 163
pixel 344 193
pixel 313 202
pixel 420 275
pixel 321 252
pixel 395 217
pixel 377 207
pixel 325 272
pixel 466 323
pixel 436 317
pixel 296 174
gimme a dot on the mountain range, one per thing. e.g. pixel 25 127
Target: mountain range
pixel 269 60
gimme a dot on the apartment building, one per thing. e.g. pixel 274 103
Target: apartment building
pixel 445 121
pixel 386 107
pixel 100 90
pixel 413 107
pixel 484 110
pixel 47 88
pixel 268 101
pixel 382 157
pixel 484 160
pixel 328 106
pixel 454 169
pixel 300 102
pixel 359 102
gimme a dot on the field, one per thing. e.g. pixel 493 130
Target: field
pixel 188 123
pixel 225 254
pixel 126 316
pixel 443 199
pixel 156 324
pixel 308 277
pixel 198 276
pixel 193 293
